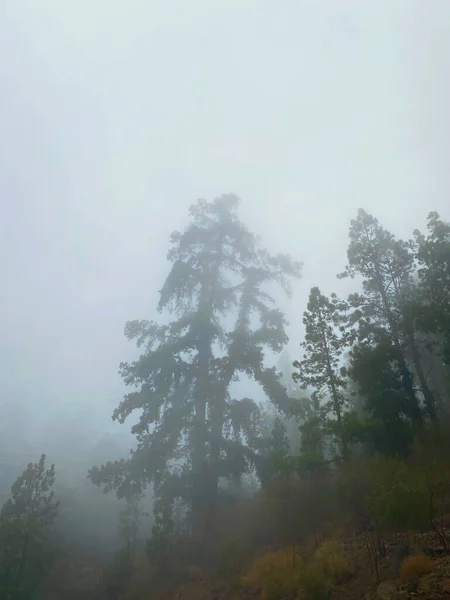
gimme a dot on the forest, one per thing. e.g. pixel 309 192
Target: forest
pixel 331 481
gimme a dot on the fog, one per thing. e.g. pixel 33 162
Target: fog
pixel 115 117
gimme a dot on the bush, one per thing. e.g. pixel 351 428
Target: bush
pixel 332 562
pixel 414 567
pixel 275 573
pixel 327 567
pixel 314 586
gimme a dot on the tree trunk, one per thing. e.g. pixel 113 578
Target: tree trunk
pixel 430 401
pixel 200 467
pixel 337 408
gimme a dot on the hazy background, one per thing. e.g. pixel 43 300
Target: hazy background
pixel 115 116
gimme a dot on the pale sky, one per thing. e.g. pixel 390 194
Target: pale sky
pixel 116 116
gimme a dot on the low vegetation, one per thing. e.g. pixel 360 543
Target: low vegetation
pixel 414 567
pixel 276 573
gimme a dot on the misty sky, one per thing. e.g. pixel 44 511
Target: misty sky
pixel 116 116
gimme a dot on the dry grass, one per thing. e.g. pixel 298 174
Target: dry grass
pixel 414 567
pixel 277 575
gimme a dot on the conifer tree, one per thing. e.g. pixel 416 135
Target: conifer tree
pixel 386 266
pixel 374 368
pixel 188 417
pixel 320 368
pixel 432 253
pixel 24 520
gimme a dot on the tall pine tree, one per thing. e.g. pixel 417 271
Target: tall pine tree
pixel 191 430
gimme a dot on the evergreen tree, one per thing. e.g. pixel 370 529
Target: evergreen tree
pixel 433 258
pixel 24 519
pixel 320 368
pixel 386 266
pixel 183 377
pixel 375 370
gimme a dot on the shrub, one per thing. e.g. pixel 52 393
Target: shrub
pixel 332 562
pixel 314 586
pixel 327 567
pixel 275 574
pixel 414 567
pixel 397 499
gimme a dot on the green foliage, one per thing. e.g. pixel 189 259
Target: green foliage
pixel 375 370
pixel 327 567
pixel 386 266
pixel 384 494
pixel 24 519
pixel 433 257
pixel 431 310
pixel 397 499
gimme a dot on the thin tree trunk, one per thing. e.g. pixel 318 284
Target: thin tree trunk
pixel 337 408
pixel 199 457
pixel 430 401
